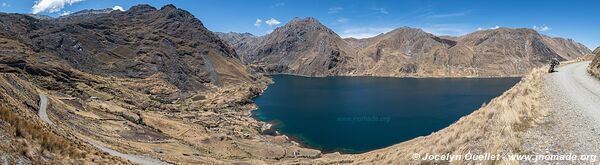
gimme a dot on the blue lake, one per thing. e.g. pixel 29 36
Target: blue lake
pixel 359 114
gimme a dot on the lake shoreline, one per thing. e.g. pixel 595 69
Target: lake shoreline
pixel 376 76
pixel 272 127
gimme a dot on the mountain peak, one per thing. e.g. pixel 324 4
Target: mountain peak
pixel 305 21
pixel 407 29
pixel 522 32
pixel 40 16
pixel 141 8
pixel 88 12
pixel 511 30
pixel 168 7
pixel 308 23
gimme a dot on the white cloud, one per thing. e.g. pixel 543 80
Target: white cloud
pixel 380 10
pixel 258 22
pixel 457 14
pixel 4 4
pixel 51 6
pixel 342 20
pixel 118 8
pixel 65 13
pixel 279 4
pixel 491 28
pixel 542 28
pixel 364 32
pixel 272 22
pixel 334 10
pixel 448 29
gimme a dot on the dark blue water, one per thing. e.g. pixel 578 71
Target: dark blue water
pixel 358 114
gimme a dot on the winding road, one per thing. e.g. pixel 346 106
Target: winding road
pixel 133 158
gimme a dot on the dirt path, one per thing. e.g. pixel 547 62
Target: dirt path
pixel 133 158
pixel 572 100
pixel 43 106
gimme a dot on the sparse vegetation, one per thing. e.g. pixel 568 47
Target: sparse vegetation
pixel 42 146
pixel 594 68
pixel 141 60
pixel 31 135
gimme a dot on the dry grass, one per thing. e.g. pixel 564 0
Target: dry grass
pixel 42 146
pixel 496 128
pixel 594 68
pixel 34 137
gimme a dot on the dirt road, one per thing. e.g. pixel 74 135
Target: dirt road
pixel 572 100
pixel 42 111
pixel 133 158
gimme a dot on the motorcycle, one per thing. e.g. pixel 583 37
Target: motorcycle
pixel 551 68
pixel 553 64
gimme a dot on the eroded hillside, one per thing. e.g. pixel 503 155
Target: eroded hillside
pixel 306 47
pixel 156 83
pixel 594 68
pixel 146 81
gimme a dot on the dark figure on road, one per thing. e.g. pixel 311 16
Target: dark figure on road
pixel 553 63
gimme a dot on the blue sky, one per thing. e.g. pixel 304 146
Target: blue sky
pixel 569 19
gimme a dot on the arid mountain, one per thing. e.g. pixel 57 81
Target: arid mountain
pixel 402 52
pixel 245 42
pixel 156 83
pixel 306 47
pixel 566 48
pixel 146 81
pixel 303 46
pixel 172 43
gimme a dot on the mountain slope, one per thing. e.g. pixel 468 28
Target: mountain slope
pixel 303 46
pixel 404 52
pixel 245 43
pixel 172 43
pixel 146 81
pixel 401 52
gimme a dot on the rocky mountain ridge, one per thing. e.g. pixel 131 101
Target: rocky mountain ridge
pixel 145 81
pixel 173 44
pixel 402 52
pixel 156 82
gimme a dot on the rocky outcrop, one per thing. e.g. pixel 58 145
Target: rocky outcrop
pixel 306 47
pixel 566 48
pixel 594 68
pixel 245 43
pixel 303 46
pixel 156 82
pixel 145 81
pixel 139 43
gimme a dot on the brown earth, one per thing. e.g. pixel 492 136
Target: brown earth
pixel 594 68
pixel 306 47
pixel 147 81
pixel 155 82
